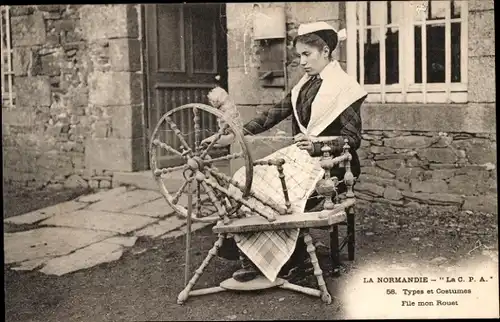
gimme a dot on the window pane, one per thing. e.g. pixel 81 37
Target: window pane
pixel 392 56
pixel 437 9
pixel 203 29
pixel 455 52
pixel 170 35
pixel 372 56
pixel 456 9
pixel 435 54
pixel 377 13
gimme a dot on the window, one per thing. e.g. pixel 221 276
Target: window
pixel 414 34
pixel 8 96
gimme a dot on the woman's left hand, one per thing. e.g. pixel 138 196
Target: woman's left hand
pixel 304 143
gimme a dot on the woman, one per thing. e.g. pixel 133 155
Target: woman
pixel 325 102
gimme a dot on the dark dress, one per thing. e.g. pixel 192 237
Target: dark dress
pixel 347 126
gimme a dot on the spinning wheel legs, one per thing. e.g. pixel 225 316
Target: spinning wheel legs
pixel 325 296
pixel 211 253
pixel 258 283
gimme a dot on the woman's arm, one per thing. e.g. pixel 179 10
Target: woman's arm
pixel 270 118
pixel 351 127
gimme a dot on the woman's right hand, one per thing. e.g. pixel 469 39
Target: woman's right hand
pixel 223 141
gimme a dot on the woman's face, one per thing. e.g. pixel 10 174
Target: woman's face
pixel 312 59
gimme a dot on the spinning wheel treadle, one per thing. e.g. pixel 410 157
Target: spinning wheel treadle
pixel 199 169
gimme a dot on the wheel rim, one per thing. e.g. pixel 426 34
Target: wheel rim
pixel 197 160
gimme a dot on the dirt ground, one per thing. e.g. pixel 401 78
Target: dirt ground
pixel 144 283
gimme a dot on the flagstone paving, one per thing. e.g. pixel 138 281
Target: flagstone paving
pixel 90 230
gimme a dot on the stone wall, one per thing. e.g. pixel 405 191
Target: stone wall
pixel 443 169
pixel 57 61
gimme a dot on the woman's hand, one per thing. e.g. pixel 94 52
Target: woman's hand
pixel 303 142
pixel 223 141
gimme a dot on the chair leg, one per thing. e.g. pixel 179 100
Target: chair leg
pixel 334 247
pixel 351 232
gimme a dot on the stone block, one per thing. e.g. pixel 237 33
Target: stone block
pixel 478 151
pixel 439 155
pixel 370 188
pixel 100 220
pixel 109 21
pixel 375 171
pixel 245 88
pixel 391 165
pixel 408 142
pixel 51 64
pixel 484 203
pixel 27 88
pixel 126 121
pixel 84 258
pixel 22 10
pixel 406 174
pixel 157 208
pixel 48 242
pixel 115 154
pixel 125 55
pixel 471 118
pixel 75 181
pixel 115 88
pixel 482 79
pixel 480 5
pixel 105 184
pixel 41 214
pixel 22 59
pixel 239 15
pixel 392 193
pixel 381 150
pixel 313 11
pixel 433 198
pixel 429 186
pixel 162 227
pixel 102 195
pixel 28 30
pixel 463 185
pixel 242 50
pixel 127 200
pixel 442 174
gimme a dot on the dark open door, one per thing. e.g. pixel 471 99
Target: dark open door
pixel 186 50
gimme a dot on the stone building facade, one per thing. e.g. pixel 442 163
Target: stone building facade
pixel 81 107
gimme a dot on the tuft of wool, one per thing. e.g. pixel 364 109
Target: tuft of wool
pixel 221 100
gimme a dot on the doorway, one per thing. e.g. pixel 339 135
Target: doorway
pixel 186 48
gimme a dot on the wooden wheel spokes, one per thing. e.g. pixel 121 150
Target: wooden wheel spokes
pixel 166 147
pixel 238 199
pixel 211 194
pixel 197 131
pixel 224 158
pixel 159 172
pixel 177 132
pixel 253 194
pixel 219 134
pixel 181 190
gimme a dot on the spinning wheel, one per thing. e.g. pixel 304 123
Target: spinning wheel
pixel 237 213
pixel 198 166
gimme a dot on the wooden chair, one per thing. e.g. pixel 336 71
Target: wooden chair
pixel 199 166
